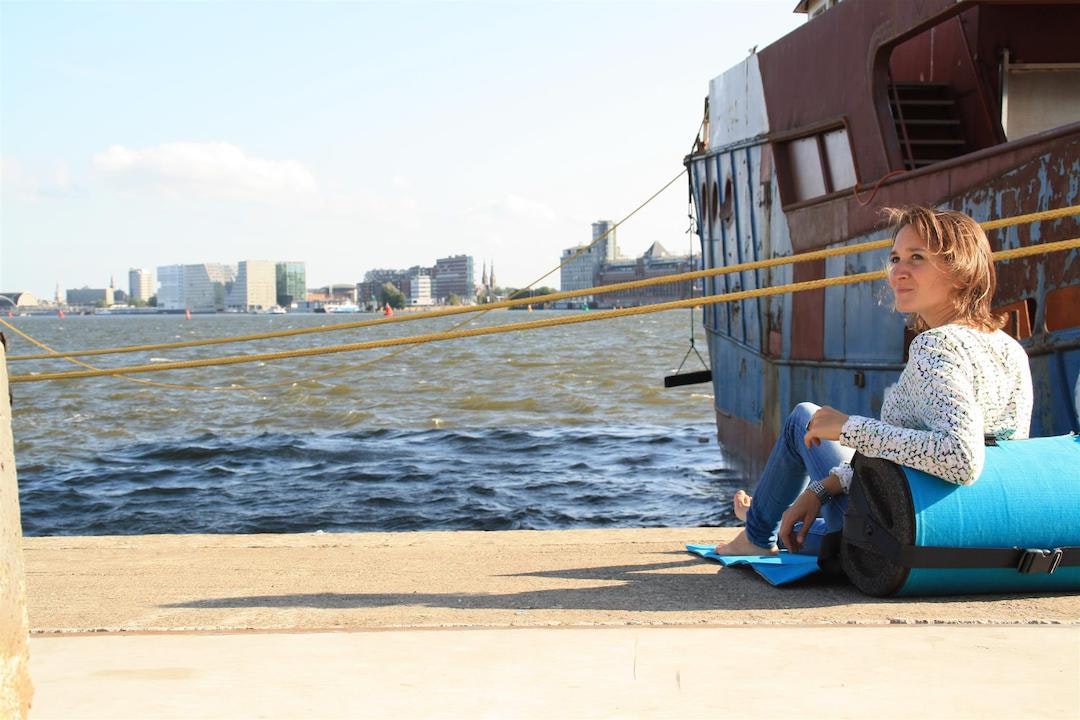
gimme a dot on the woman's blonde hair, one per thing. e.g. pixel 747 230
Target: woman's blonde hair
pixel 961 248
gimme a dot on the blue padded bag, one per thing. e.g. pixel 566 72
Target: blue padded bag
pixel 1016 529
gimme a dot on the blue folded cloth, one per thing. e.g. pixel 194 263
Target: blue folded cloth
pixel 779 569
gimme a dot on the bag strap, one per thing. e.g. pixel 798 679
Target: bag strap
pixel 862 529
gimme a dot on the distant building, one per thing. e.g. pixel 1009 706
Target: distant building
pixel 206 286
pixel 140 284
pixel 420 290
pixel 343 292
pixel 410 277
pixel 587 266
pixel 454 275
pixel 86 296
pixel 580 271
pixel 170 292
pixel 654 262
pixel 367 293
pixel 368 290
pixel 198 288
pixel 604 231
pixel 581 265
pixel 487 291
pixel 338 293
pixel 9 300
pixel 291 283
pixel 255 287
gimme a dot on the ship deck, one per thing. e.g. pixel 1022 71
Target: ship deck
pixel 590 623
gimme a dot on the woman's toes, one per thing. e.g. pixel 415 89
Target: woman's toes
pixel 741 504
pixel 741 545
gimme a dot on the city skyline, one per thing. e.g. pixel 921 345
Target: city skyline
pixel 155 272
pixel 357 135
pixel 582 271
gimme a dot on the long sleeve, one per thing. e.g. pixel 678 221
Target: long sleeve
pixel 944 435
pixel 844 473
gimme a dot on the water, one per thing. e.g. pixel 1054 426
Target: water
pixel 568 427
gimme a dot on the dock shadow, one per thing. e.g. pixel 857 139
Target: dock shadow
pixel 644 587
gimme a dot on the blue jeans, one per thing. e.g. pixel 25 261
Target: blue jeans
pixel 790 468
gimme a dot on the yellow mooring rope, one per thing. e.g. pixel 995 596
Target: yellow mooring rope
pixel 522 326
pixel 551 297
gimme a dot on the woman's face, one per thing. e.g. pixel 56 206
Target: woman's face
pixel 918 282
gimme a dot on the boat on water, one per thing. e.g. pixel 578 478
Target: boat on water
pixel 346 307
pixel 277 310
pixel 972 105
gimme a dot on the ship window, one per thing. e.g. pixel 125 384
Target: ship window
pixel 814 165
pixel 806 175
pixel 1038 96
pixel 838 155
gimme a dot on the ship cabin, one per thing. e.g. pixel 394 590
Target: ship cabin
pixel 872 103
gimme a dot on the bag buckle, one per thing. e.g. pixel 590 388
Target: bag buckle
pixel 1035 560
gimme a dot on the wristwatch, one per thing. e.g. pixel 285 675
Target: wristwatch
pixel 818 488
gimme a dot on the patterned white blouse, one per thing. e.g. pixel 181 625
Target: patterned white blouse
pixel 959 385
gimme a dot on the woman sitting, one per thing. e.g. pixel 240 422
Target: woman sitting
pixel 964 379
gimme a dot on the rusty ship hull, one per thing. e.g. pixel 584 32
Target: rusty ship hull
pixel 872 104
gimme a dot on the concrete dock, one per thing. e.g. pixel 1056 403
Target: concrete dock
pixel 594 623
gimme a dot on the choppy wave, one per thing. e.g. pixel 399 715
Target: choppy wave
pixel 385 480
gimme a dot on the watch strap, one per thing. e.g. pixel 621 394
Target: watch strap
pixel 818 488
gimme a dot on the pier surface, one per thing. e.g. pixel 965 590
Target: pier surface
pixel 591 623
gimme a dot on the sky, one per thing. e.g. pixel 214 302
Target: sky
pixel 349 135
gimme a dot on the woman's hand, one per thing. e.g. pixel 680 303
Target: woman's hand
pixel 804 509
pixel 825 424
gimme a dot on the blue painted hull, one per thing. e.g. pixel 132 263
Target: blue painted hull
pixel 759 371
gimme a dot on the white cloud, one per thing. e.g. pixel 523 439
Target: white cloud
pixel 207 170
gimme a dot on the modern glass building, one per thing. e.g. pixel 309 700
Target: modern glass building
pixel 291 283
pixel 608 247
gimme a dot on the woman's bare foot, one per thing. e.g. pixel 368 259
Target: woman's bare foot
pixel 741 504
pixel 741 545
